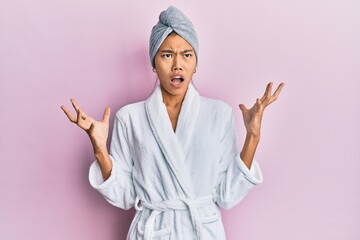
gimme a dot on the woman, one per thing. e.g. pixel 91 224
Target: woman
pixel 174 157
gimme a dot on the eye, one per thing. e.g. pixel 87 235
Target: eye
pixel 187 55
pixel 167 55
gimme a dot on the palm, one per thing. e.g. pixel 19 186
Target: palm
pixel 253 116
pixel 98 131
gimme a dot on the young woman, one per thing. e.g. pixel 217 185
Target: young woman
pixel 175 156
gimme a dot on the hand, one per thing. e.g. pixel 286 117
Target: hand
pixel 253 116
pixel 98 131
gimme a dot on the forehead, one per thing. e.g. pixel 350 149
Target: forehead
pixel 174 41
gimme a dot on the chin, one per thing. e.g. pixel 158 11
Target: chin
pixel 175 91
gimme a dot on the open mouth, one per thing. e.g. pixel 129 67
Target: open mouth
pixel 177 81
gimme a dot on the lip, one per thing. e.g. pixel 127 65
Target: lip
pixel 177 75
pixel 177 85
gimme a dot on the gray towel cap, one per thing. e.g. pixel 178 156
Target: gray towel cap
pixel 172 19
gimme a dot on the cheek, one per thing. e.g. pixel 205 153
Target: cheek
pixel 162 75
pixel 192 63
pixel 162 71
pixel 161 65
pixel 191 67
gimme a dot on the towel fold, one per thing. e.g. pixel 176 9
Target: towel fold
pixel 172 20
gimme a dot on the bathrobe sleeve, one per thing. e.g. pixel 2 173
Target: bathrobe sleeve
pixel 118 189
pixel 235 179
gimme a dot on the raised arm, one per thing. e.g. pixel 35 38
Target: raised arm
pixel 98 132
pixel 252 121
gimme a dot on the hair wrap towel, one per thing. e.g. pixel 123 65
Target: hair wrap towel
pixel 172 19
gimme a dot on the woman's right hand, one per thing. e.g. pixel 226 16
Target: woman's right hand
pixel 98 131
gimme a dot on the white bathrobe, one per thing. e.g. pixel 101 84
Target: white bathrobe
pixel 177 181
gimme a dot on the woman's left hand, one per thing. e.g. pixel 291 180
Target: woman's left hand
pixel 253 116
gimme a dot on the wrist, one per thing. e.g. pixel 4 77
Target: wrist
pixel 254 137
pixel 99 145
pixel 100 152
pixel 103 158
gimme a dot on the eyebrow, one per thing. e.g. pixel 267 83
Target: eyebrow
pixel 171 51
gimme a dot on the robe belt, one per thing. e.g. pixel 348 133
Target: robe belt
pixel 177 204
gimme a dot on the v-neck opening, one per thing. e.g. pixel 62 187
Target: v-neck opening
pixel 174 144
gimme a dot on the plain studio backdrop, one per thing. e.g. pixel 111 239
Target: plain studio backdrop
pixel 97 53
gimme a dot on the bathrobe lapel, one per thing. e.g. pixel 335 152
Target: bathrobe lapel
pixel 174 145
pixel 187 118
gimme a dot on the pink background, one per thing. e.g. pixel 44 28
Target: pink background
pixel 97 52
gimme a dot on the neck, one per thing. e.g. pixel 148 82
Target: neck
pixel 172 100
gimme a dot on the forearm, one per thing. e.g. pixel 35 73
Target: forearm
pixel 248 151
pixel 105 163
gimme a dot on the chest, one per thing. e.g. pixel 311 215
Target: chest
pixel 203 150
pixel 173 113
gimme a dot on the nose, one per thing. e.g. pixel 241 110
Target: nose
pixel 176 64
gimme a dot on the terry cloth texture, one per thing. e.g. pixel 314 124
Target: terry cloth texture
pixel 172 19
pixel 176 180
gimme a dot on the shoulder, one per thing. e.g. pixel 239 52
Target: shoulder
pixel 217 113
pixel 125 113
pixel 215 106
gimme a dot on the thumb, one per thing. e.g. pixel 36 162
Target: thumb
pixel 106 115
pixel 242 107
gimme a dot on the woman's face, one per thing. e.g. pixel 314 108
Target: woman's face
pixel 175 63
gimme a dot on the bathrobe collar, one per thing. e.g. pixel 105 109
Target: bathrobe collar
pixel 174 145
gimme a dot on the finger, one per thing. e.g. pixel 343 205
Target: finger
pixel 91 129
pixel 242 107
pixel 75 105
pixel 258 101
pixel 267 93
pixel 277 92
pixel 82 116
pixel 106 115
pixel 71 117
pixel 268 90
